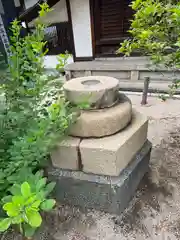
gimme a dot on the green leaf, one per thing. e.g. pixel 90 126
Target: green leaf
pixel 36 204
pixel 30 200
pixel 18 200
pixel 28 230
pixel 7 199
pixel 41 183
pixel 2 175
pixel 15 189
pixel 12 178
pixel 11 209
pixel 47 205
pixel 26 189
pixel 38 175
pixel 17 220
pixel 41 195
pixel 5 224
pixel 49 188
pixel 34 218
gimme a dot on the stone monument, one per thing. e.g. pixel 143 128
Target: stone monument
pixel 100 164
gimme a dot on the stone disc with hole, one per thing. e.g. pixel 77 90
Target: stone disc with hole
pixel 97 91
pixel 103 122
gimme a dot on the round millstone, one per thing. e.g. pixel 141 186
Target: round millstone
pixel 98 91
pixel 103 122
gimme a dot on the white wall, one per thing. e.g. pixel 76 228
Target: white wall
pixel 58 13
pixel 51 61
pixel 17 3
pixel 30 3
pixel 80 12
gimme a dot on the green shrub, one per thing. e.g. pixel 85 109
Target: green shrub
pixel 155 32
pixel 62 61
pixel 25 203
pixel 34 113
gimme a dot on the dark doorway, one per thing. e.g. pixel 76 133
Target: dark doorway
pixel 111 20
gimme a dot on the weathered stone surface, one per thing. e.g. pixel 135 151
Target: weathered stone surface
pixel 98 91
pixel 66 154
pixel 110 155
pixel 103 122
pixel 105 193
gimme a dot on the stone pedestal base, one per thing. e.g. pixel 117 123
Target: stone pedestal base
pixel 105 193
pixel 102 156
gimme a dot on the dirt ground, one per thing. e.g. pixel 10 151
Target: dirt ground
pixel 154 213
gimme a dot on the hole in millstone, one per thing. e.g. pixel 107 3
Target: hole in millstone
pixel 91 82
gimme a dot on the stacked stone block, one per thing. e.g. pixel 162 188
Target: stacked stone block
pixel 107 140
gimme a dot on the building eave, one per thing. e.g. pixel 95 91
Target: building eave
pixel 32 12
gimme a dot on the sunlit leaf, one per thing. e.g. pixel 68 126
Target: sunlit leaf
pixel 11 209
pixel 34 218
pixel 26 189
pixel 4 224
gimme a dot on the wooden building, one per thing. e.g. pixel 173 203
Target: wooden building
pixel 91 30
pixel 85 28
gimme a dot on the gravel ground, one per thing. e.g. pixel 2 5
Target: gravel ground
pixel 154 213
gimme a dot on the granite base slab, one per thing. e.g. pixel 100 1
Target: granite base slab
pixel 104 193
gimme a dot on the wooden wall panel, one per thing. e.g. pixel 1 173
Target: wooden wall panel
pixel 112 22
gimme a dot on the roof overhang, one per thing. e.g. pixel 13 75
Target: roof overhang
pixel 32 12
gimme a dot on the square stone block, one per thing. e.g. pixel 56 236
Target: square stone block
pixel 105 193
pixel 66 154
pixel 110 155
